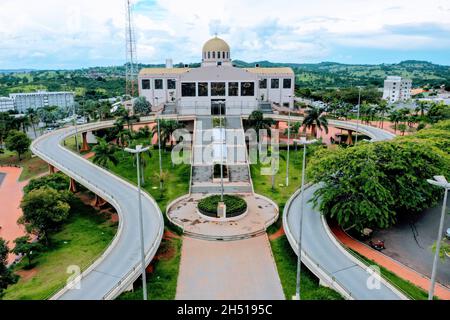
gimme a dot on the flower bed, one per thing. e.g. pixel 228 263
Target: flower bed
pixel 235 205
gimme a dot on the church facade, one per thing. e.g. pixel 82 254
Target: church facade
pixel 217 87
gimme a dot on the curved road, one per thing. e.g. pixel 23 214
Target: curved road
pixel 321 252
pixel 118 267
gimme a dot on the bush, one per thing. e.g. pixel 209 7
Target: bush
pixel 235 205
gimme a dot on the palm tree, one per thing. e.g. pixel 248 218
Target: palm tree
pixel 395 117
pixel 422 106
pixel 105 153
pixel 167 127
pixel 315 118
pixel 257 121
pixel 383 108
pixel 32 116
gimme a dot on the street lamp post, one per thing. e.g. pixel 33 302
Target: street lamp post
pixel 439 181
pixel 137 152
pixel 357 119
pixel 305 143
pixel 288 146
pixel 159 152
pixel 76 128
pixel 221 151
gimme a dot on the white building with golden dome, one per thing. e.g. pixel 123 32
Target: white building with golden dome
pixel 217 84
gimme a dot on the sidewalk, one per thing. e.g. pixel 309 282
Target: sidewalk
pixel 392 265
pixel 10 197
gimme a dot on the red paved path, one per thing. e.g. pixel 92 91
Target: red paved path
pixel 396 267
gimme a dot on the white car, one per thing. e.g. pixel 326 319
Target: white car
pixel 447 233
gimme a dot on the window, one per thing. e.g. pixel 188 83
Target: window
pixel 158 84
pixel 287 83
pixel 171 84
pixel 218 89
pixel 233 89
pixel 218 54
pixel 275 83
pixel 209 55
pixel 263 84
pixel 203 89
pixel 188 89
pixel 145 84
pixel 214 55
pixel 247 89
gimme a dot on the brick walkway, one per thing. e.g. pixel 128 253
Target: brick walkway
pixel 10 197
pixel 399 269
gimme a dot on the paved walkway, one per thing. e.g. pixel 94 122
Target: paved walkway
pixel 260 213
pixel 10 197
pixel 390 264
pixel 236 270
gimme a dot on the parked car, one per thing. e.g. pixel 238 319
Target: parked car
pixel 447 233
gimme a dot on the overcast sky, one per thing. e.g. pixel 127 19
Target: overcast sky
pixel 68 34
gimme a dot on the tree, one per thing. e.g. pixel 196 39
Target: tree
pixel 395 117
pixel 44 210
pixel 383 108
pixel 257 122
pixel 315 118
pixel 57 181
pixel 17 141
pixel 167 127
pixel 422 106
pixel 371 184
pixel 24 246
pixel 32 117
pixel 6 276
pixel 141 106
pixel 438 112
pixel 105 153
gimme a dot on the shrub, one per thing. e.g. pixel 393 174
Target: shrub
pixel 235 205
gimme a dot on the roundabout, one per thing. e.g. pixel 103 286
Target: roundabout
pixel 259 214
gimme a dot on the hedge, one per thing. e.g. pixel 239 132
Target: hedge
pixel 235 205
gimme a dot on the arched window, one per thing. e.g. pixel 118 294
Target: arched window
pixel 209 55
pixel 214 55
pixel 218 54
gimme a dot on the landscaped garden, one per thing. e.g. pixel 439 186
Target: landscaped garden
pixel 71 233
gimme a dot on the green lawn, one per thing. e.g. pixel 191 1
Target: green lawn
pixel 286 262
pixel 80 241
pixel 162 283
pixel 280 194
pixel 176 184
pixel 32 166
pixel 69 143
pixel 411 290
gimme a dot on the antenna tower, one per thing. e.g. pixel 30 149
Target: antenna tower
pixel 130 73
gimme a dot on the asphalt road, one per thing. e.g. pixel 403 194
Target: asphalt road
pixel 124 256
pixel 320 248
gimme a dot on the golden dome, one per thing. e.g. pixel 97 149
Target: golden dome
pixel 216 44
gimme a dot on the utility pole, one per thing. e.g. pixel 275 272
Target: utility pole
pixel 137 152
pixel 357 119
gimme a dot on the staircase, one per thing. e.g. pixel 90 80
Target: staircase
pixel 208 142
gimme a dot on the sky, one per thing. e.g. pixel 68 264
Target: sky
pixel 55 34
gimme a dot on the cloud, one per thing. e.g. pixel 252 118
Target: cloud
pixel 73 33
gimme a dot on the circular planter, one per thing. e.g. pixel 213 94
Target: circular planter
pixel 237 208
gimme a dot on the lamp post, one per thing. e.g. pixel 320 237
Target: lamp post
pixel 357 119
pixel 139 149
pixel 288 145
pixel 76 128
pixel 221 151
pixel 305 143
pixel 438 181
pixel 159 151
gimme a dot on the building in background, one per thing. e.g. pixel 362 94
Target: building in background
pixel 216 83
pixel 39 99
pixel 6 104
pixel 397 89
